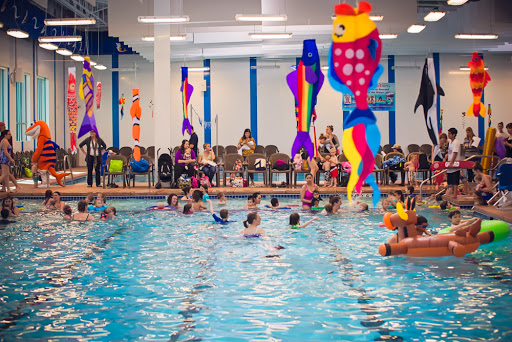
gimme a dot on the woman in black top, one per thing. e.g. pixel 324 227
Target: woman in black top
pixel 95 148
pixel 508 141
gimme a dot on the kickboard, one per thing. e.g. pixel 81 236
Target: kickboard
pixel 458 164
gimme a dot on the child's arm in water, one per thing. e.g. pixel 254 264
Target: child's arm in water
pixel 463 224
pixel 304 225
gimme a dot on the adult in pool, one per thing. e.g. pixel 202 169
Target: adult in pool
pixel 82 214
pixel 251 229
pixel 306 193
pixel 58 203
pixel 173 201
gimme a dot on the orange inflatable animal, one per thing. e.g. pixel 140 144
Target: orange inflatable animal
pixel 136 112
pixel 460 243
pixel 45 155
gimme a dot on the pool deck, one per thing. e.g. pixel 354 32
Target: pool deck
pixel 141 189
pixel 504 214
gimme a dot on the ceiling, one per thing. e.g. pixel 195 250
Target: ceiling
pixel 213 31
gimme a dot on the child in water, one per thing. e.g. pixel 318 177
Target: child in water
pixel 274 204
pixel 222 198
pixel 68 212
pixel 224 214
pixel 295 221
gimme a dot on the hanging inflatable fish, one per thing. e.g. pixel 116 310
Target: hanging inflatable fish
pixel 122 102
pixel 72 108
pixel 428 99
pixel 305 83
pixel 98 95
pixel 186 91
pixel 45 156
pixel 354 68
pixel 86 93
pixel 136 112
pixel 478 79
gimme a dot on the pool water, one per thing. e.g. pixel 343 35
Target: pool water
pixel 164 276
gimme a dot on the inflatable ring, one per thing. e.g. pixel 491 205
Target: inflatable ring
pixel 166 208
pixel 401 212
pixel 500 229
pixel 387 221
pixel 317 208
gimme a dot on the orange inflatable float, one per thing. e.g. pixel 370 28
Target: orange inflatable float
pixel 458 244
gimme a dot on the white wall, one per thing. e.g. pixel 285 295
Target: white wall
pixel 230 97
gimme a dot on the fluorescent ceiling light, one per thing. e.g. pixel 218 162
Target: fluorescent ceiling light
pixel 64 52
pixel 476 36
pixel 434 16
pixel 77 58
pixel 69 21
pixel 372 17
pixel 270 35
pixel 466 68
pixel 164 19
pixel 199 69
pixel 416 28
pixel 324 67
pixel 100 67
pixel 456 2
pixel 261 17
pixel 265 66
pixel 388 36
pixel 48 46
pixel 17 33
pixel 92 63
pixel 172 38
pixel 60 39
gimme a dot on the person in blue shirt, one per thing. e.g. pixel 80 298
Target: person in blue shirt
pixel 224 214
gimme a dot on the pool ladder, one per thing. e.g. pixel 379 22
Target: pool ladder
pixel 68 160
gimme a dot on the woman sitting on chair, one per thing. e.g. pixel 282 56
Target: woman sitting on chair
pixel 184 161
pixel 206 160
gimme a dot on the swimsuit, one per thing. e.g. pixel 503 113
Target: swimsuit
pixel 4 159
pixel 307 196
pixel 250 236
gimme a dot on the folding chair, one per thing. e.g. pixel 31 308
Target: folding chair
pixel 504 183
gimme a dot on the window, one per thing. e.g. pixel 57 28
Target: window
pixel 23 113
pixel 43 100
pixel 4 88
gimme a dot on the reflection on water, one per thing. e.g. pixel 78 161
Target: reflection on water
pixel 164 276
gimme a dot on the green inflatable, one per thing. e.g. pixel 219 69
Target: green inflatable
pixel 501 229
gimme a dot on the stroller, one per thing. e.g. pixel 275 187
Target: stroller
pixel 165 177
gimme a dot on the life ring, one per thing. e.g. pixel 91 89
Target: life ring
pixel 500 229
pixel 457 244
pixel 166 208
pixel 458 164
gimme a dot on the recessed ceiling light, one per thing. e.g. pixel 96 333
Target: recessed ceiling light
pixel 48 46
pixel 434 16
pixel 261 17
pixel 372 17
pixel 64 52
pixel 77 58
pixel 388 36
pixel 60 39
pixel 17 33
pixel 199 69
pixel 69 21
pixel 172 38
pixel 100 67
pixel 163 19
pixel 466 68
pixel 270 35
pixel 416 28
pixel 456 2
pixel 476 36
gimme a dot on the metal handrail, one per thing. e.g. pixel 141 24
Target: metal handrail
pixel 446 170
pixel 66 158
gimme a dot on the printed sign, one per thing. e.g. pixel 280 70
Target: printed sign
pixel 381 98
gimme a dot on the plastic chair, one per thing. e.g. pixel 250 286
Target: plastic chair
pixel 413 148
pixel 113 149
pixel 229 163
pixel 387 148
pixel 379 170
pixel 426 148
pixel 251 168
pixel 272 161
pixel 126 151
pixel 270 150
pixel 151 152
pixel 230 149
pixel 259 149
pixel 123 170
pixel 149 172
pixel 388 171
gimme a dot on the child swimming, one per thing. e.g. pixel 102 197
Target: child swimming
pixel 295 221
pixel 224 214
pixel 250 205
pixel 222 198
pixel 68 212
pixel 187 209
pixel 274 204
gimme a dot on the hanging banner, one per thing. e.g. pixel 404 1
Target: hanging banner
pixel 72 107
pixel 381 98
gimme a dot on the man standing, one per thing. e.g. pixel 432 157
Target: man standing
pixel 194 140
pixel 453 175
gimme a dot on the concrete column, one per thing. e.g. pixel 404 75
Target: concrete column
pixel 162 80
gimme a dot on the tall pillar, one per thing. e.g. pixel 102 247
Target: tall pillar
pixel 162 79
